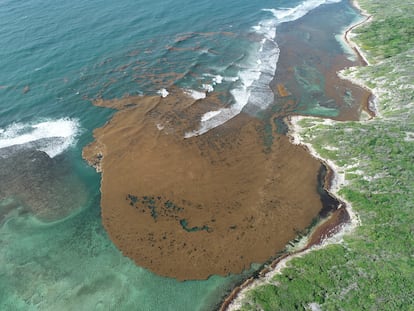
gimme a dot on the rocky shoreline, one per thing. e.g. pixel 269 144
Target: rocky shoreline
pixel 329 230
pixel 332 226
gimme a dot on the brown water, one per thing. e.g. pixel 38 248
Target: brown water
pixel 212 204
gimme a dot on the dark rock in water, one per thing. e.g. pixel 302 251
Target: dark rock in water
pixel 36 144
pixel 330 103
pixel 44 185
pixel 19 162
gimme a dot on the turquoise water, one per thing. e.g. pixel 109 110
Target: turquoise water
pixel 55 57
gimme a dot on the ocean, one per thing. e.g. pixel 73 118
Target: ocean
pixel 56 57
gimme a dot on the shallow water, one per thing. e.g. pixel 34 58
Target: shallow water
pixel 55 56
pixel 72 265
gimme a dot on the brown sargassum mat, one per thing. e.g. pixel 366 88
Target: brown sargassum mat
pixel 211 204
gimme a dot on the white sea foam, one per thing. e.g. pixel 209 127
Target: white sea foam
pixel 53 136
pixel 209 115
pixel 231 79
pixel 163 93
pixel 253 81
pixel 218 79
pixel 195 94
pixel 291 14
pixel 208 87
pixel 213 119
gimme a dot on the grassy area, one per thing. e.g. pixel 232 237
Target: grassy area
pixel 373 269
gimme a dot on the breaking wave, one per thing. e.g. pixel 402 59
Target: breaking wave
pixel 284 15
pixel 52 137
pixel 253 92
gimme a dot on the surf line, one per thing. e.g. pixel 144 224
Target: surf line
pixel 347 37
pixel 254 93
pixel 367 18
pixel 50 136
pixel 333 182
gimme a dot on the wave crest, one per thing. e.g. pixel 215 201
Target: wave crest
pixel 253 92
pixel 52 136
pixel 284 15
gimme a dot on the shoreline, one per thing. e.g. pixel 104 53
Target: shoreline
pixel 347 38
pixel 334 180
pixel 348 32
pixel 233 301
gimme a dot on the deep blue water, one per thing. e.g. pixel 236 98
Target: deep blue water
pixel 57 55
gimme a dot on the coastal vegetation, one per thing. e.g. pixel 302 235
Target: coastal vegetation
pixel 372 268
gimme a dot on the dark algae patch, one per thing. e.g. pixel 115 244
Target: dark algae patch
pixel 184 225
pixel 155 205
